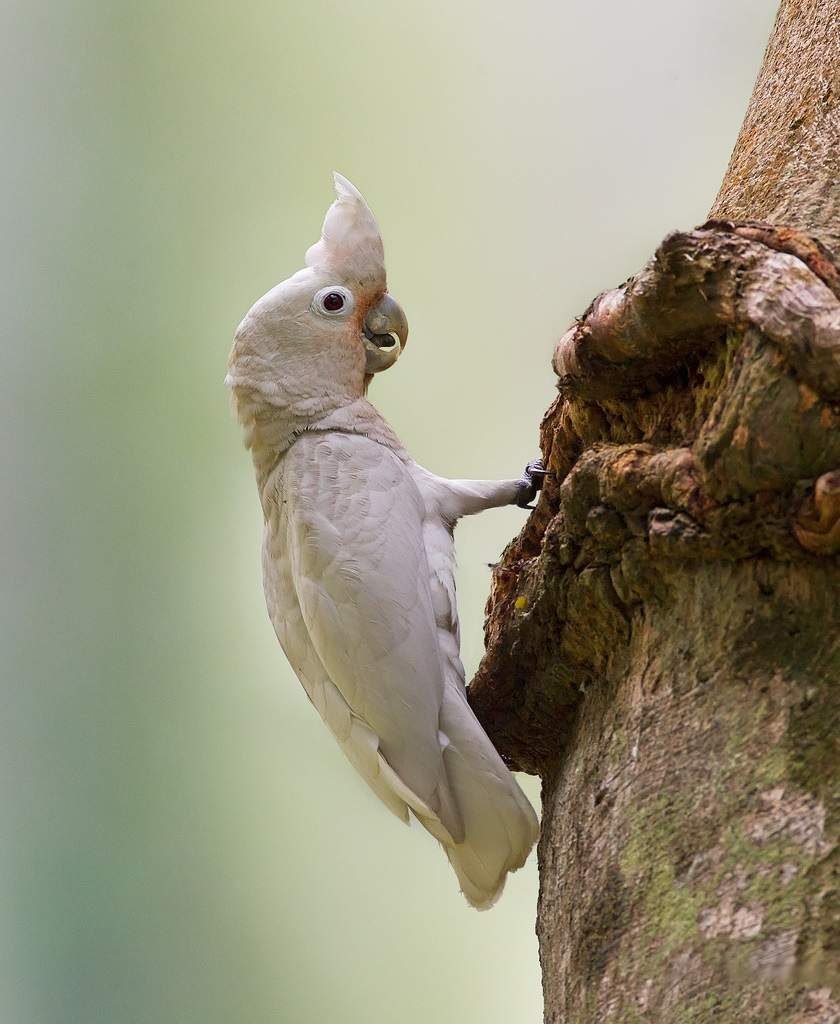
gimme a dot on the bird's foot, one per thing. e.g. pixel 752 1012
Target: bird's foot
pixel 530 483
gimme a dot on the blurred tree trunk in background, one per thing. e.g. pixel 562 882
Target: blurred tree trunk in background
pixel 663 641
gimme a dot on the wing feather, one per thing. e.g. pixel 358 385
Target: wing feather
pixel 354 534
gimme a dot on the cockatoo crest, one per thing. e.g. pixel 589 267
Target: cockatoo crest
pixel 350 243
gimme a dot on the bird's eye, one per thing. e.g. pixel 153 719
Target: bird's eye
pixel 335 300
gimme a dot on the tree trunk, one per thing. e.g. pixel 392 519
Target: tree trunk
pixel 662 638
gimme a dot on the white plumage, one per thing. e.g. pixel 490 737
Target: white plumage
pixel 358 554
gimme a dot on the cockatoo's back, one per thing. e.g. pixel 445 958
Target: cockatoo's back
pixel 499 823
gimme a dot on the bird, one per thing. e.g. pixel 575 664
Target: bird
pixel 358 552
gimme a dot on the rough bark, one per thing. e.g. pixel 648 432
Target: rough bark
pixel 663 638
pixel 786 163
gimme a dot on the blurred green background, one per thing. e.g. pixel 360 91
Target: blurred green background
pixel 182 841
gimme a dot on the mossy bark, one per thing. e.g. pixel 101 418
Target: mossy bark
pixel 663 638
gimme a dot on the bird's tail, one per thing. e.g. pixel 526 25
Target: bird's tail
pixel 500 826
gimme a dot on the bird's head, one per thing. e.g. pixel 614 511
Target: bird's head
pixel 314 341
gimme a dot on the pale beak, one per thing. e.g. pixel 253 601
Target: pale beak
pixel 385 334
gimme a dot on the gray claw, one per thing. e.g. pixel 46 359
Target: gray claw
pixel 531 482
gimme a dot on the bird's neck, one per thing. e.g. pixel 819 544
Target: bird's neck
pixel 271 429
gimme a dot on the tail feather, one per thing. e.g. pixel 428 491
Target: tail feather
pixel 500 825
pixel 479 815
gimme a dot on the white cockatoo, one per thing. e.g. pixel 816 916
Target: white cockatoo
pixel 358 554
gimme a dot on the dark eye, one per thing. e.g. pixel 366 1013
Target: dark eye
pixel 333 301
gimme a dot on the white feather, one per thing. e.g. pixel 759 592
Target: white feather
pixel 350 241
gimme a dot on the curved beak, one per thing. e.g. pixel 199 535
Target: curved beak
pixel 385 334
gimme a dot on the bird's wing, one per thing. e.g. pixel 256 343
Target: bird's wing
pixel 358 566
pixel 358 741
